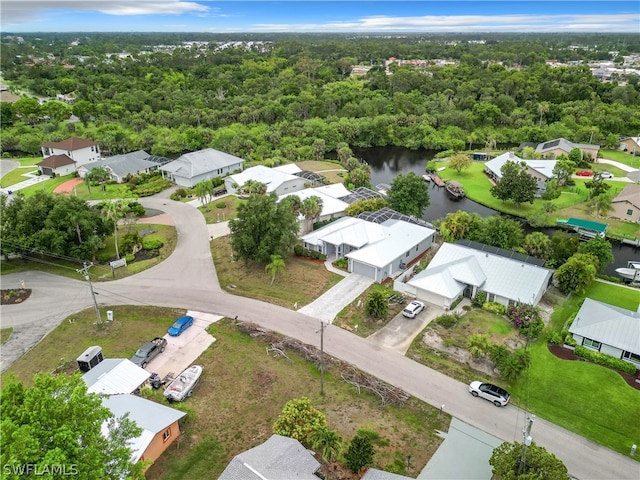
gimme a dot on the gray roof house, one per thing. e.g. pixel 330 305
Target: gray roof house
pixel 559 146
pixel 541 170
pixel 608 329
pixel 195 167
pixel 374 250
pixel 159 424
pixel 457 270
pixel 276 459
pixel 120 166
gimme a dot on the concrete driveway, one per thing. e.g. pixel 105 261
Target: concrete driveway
pixel 400 331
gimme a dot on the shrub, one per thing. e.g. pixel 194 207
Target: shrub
pixel 448 320
pixel 342 262
pixel 479 299
pixel 151 244
pixel 569 340
pixel 129 241
pixel 509 364
pixel 221 205
pixel 130 258
pixel 456 302
pixel 494 307
pixel 298 250
pixel 553 336
pixel 359 453
pixel 478 345
pixel 605 360
pixel 526 318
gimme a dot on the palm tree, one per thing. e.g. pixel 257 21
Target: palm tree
pixel 542 109
pixel 311 209
pixel 275 267
pixel 114 211
pixel 327 441
pixel 202 190
pixel 253 186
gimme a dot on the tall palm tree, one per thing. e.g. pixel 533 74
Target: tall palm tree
pixel 311 209
pixel 542 109
pixel 276 266
pixel 114 211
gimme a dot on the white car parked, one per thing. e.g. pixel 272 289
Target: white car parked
pixel 606 174
pixel 413 309
pixel 498 396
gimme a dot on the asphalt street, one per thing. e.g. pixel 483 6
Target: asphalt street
pixel 187 279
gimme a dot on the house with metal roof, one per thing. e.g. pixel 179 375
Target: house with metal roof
pixel 461 270
pixel 626 205
pixel 587 229
pixel 375 250
pixel 159 423
pixel 541 170
pixel 560 146
pixel 119 167
pixel 195 167
pixel 331 207
pixel 77 149
pixel 276 459
pixel 275 180
pixel 608 329
pixel 114 376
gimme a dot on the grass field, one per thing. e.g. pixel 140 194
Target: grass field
pixel 241 393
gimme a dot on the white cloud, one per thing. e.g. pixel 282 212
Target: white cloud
pixel 17 12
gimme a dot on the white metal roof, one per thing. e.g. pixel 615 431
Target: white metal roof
pixel 289 168
pixel 399 237
pixel 438 281
pixel 505 277
pixel 271 177
pixel 608 324
pixel 115 376
pixel 192 164
pixel 357 234
pixel 335 190
pixel 544 167
pixel 330 205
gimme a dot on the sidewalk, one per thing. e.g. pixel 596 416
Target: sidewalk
pixel 33 179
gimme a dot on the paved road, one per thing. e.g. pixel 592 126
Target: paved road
pixel 187 279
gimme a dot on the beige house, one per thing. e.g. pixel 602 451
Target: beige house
pixel 631 145
pixel 626 205
pixel 560 146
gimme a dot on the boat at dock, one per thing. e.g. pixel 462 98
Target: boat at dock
pixel 454 190
pixel 426 178
pixel 630 273
pixel 182 386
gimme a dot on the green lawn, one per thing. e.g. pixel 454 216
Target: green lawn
pixel 622 157
pixel 5 333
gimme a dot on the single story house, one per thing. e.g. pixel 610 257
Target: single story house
pixel 195 167
pixel 159 423
pixel 331 207
pixel 120 167
pixel 626 205
pixel 541 170
pixel 458 269
pixel 77 149
pixel 334 190
pixel 631 145
pixel 560 146
pixel 278 458
pixel 276 181
pixel 115 376
pixel 608 329
pixel 374 250
pixel 57 165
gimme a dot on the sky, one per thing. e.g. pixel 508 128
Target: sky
pixel 22 16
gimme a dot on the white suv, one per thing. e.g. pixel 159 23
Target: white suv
pixel 413 309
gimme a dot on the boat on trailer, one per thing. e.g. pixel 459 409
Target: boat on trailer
pixel 182 386
pixel 631 272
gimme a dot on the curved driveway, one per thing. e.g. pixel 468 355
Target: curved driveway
pixel 187 279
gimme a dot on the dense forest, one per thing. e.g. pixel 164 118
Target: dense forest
pixel 276 97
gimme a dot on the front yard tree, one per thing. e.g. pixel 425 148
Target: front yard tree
pixel 459 162
pixel 597 186
pixel 327 441
pixel 601 204
pixel 275 267
pixel 516 184
pixel 263 228
pixel 299 419
pixel 114 211
pixel 311 209
pixel 564 169
pixel 56 422
pixel 538 245
pixel 377 305
pixel 359 453
pixel 409 194
pixel 577 273
pixel 600 248
pixel 540 464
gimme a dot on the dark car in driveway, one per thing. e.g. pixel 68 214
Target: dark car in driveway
pixel 149 351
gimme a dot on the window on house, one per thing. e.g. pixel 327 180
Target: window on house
pixel 491 297
pixel 166 435
pixel 587 342
pixel 630 212
pixel 634 357
pixel 512 303
pixel 416 248
pixel 407 255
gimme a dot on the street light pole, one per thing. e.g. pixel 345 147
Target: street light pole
pixel 322 326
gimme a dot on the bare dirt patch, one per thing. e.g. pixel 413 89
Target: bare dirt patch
pixel 68 186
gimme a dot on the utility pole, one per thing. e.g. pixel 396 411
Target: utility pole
pixel 322 327
pixel 526 433
pixel 84 271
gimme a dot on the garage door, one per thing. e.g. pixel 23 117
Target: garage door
pixel 363 269
pixel 431 297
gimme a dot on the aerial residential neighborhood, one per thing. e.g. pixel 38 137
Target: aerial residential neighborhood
pixel 239 256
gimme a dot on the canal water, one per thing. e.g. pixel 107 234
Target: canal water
pixel 387 162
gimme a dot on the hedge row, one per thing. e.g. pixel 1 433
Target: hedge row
pixel 605 360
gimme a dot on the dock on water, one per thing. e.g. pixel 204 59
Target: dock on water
pixel 437 181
